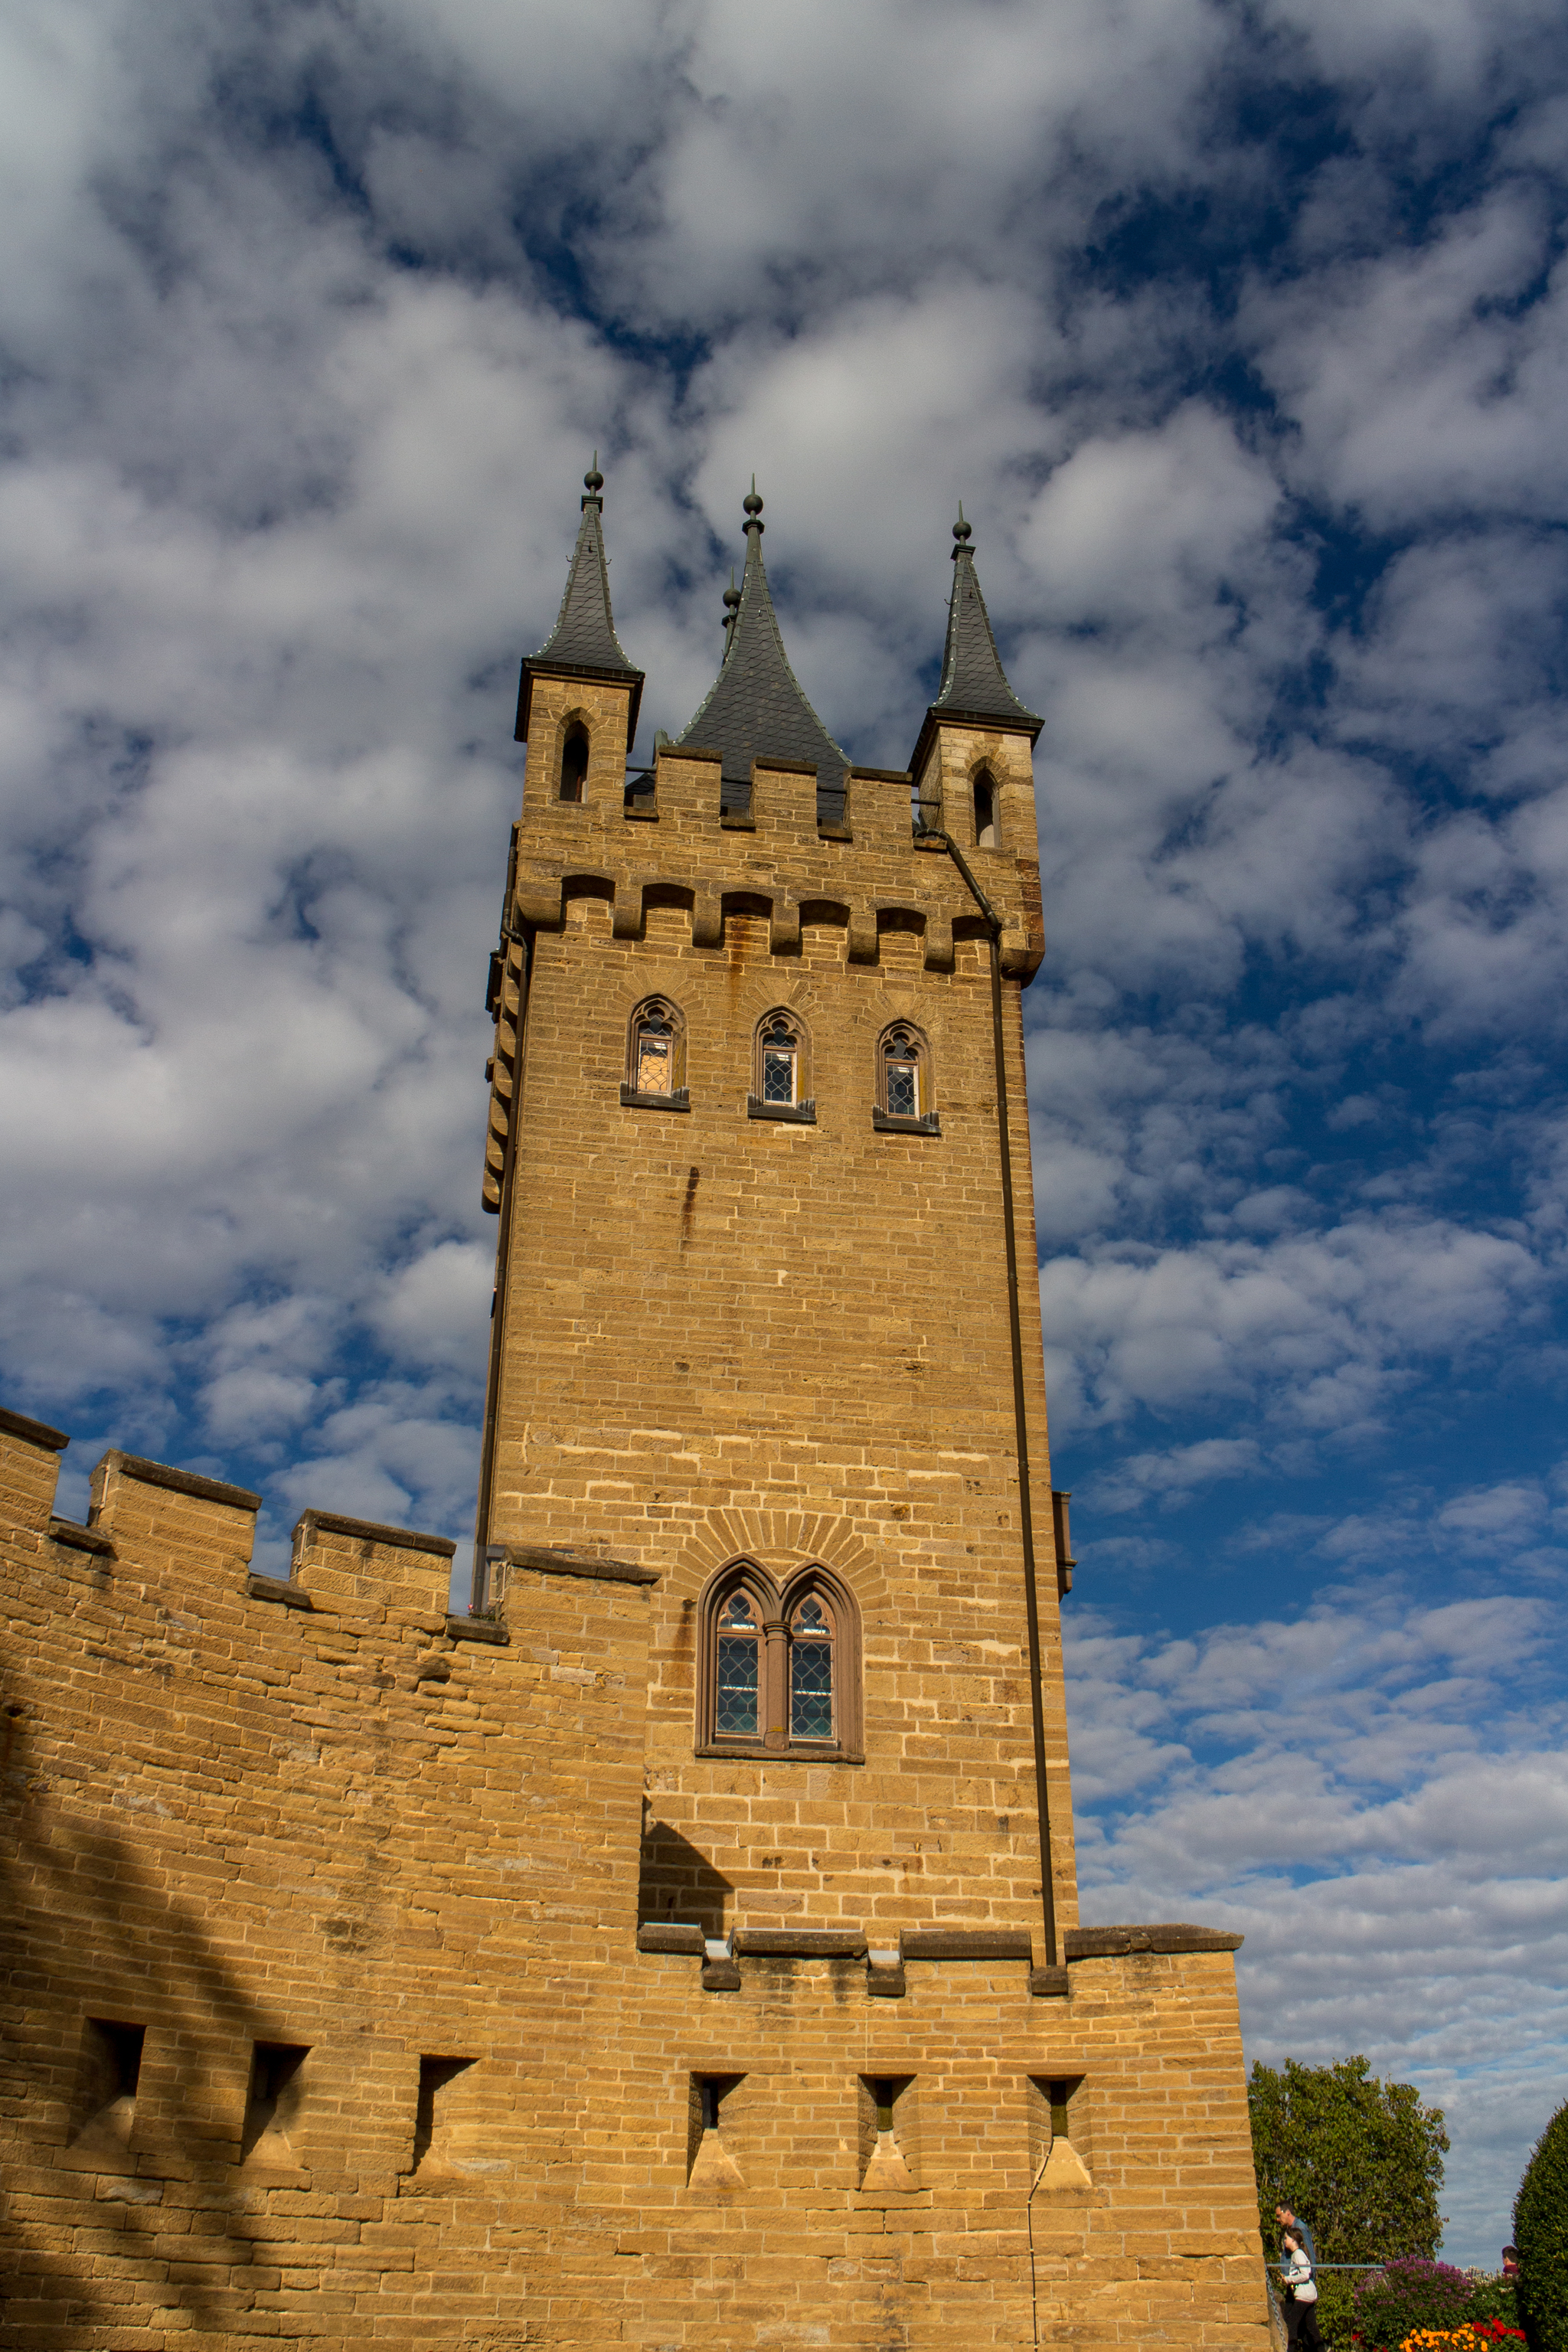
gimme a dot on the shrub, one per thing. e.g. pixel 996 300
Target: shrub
pixel 1540 2233
pixel 1493 2298
pixel 1403 2296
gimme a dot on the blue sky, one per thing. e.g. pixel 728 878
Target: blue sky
pixel 1241 333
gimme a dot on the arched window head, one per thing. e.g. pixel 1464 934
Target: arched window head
pixel 984 809
pixel 779 1671
pixel 780 1075
pixel 904 1095
pixel 574 761
pixel 656 1056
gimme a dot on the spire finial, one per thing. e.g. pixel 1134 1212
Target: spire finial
pixel 962 532
pixel 592 483
pixel 754 507
pixel 732 608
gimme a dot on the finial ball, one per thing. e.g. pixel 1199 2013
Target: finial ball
pixel 751 503
pixel 732 597
pixel 594 481
pixel 961 531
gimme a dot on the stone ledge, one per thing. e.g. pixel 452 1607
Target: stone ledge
pixel 672 1936
pixel 330 1522
pixel 967 1944
pixel 1172 1935
pixel 281 1589
pixel 551 1562
pixel 181 1482
pixel 801 1943
pixel 1049 1984
pixel 80 1538
pixel 887 1122
pixel 632 1099
pixel 36 1432
pixel 478 1629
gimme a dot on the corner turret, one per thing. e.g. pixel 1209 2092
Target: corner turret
pixel 972 765
pixel 584 644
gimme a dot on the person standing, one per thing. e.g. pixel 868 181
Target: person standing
pixel 1299 2273
pixel 1302 2231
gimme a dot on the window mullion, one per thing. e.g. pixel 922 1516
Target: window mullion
pixel 775 1683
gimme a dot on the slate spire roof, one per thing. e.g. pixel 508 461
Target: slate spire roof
pixel 974 683
pixel 583 643
pixel 755 708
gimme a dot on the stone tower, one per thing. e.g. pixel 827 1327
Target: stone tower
pixel 681 1948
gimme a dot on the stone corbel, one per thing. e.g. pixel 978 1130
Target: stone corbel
pixel 783 929
pixel 707 919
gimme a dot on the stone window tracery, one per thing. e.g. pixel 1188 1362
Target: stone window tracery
pixel 779 1666
pixel 780 1075
pixel 656 1056
pixel 904 1098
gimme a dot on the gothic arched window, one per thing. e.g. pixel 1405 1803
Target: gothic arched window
pixel 780 1071
pixel 779 1668
pixel 904 1098
pixel 984 809
pixel 574 761
pixel 656 1057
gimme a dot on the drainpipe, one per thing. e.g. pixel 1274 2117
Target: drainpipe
pixel 1025 1509
pixel 479 1593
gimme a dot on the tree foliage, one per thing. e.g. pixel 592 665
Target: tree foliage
pixel 1360 2159
pixel 1540 2233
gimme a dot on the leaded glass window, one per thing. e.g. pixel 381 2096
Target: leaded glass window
pixel 781 1056
pixel 810 1673
pixel 903 1079
pixel 736 1714
pixel 654 1069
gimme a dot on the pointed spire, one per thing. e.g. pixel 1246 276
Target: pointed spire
pixel 583 641
pixel 974 683
pixel 755 708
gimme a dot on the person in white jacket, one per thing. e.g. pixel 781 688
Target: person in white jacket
pixel 1301 2298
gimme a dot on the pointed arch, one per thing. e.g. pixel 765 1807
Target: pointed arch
pixel 781 1068
pixel 778 1667
pixel 572 770
pixel 906 1096
pixel 656 1056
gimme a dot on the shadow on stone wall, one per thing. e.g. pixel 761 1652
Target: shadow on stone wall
pixel 160 2233
pixel 675 1882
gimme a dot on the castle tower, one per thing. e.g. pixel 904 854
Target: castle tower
pixel 682 1948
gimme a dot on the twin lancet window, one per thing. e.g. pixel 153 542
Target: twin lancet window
pixel 780 1670
pixel 781 1069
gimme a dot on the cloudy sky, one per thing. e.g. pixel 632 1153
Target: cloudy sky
pixel 1241 332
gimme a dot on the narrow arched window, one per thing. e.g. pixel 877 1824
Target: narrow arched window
pixel 656 1057
pixel 780 1061
pixel 574 761
pixel 780 1076
pixel 810 1671
pixel 904 1097
pixel 738 1712
pixel 779 1669
pixel 984 809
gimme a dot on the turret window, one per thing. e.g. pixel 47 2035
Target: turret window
pixel 984 810
pixel 904 1100
pixel 656 1057
pixel 781 1059
pixel 574 761
pixel 779 1666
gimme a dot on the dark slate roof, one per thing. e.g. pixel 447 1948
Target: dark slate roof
pixel 755 709
pixel 583 641
pixel 974 683
pixel 584 635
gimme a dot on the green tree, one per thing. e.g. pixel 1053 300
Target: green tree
pixel 1540 2233
pixel 1360 2160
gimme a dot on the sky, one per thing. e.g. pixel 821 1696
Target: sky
pixel 1240 331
